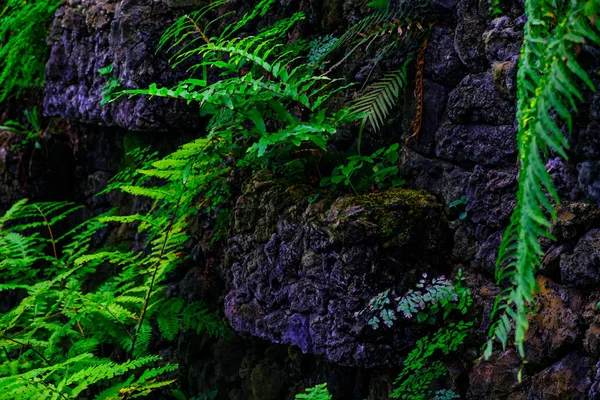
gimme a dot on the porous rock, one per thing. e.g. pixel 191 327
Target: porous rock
pixel 301 273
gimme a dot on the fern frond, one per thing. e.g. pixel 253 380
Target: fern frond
pixel 549 80
pixel 380 98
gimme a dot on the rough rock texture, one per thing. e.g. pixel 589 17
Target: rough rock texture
pixel 87 36
pixel 301 273
pixel 294 275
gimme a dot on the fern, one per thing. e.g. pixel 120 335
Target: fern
pixel 380 98
pixel 549 81
pixel 23 51
pixel 420 371
pixel 318 392
pixel 58 381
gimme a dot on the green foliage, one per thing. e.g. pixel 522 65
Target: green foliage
pixel 266 110
pixel 549 81
pixel 440 295
pixel 459 205
pixel 53 339
pixel 23 50
pixel 319 48
pixel 377 101
pixel 318 392
pixel 420 366
pixel 72 378
pixel 495 7
pixel 378 170
pixel 29 134
pixel 112 85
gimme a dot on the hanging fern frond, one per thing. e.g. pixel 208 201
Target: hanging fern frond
pixel 549 85
pixel 378 100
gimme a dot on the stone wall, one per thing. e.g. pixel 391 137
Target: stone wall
pixel 294 275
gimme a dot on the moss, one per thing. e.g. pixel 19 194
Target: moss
pixel 394 211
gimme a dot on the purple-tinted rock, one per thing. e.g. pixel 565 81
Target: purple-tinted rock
pixel 503 39
pixel 589 179
pixel 442 63
pixel 477 144
pixel 469 33
pixel 283 288
pixel 123 33
pixel 478 100
pixel 491 199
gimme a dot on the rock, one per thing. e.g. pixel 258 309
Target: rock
pixel 564 177
pixel 301 273
pixel 589 179
pixel 442 64
pixel 267 382
pixel 445 180
pixel 554 327
pixel 123 33
pixel 434 99
pixel 477 100
pixel 591 342
pixel 582 268
pixel 476 144
pixel 569 378
pixel 40 169
pixel 468 36
pixel 504 38
pixel 574 220
pixel 496 378
pixel 587 146
pixel 490 199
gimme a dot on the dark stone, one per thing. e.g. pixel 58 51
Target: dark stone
pixel 468 37
pixel 478 100
pixel 582 268
pixel 555 326
pixel 496 378
pixel 490 199
pixel 446 181
pixel 587 146
pixel 564 177
pixel 569 378
pixel 435 97
pixel 503 40
pixel 89 36
pixel 589 179
pixel 476 144
pixel 442 64
pixel 305 281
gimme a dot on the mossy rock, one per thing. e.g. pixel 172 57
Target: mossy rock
pixel 393 216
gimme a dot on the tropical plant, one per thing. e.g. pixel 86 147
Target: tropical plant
pixel 318 392
pixel 420 366
pixel 430 298
pixel 66 319
pixel 23 50
pixel 29 134
pixel 266 110
pixel 549 86
pixel 364 172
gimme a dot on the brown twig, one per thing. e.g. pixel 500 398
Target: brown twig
pixel 417 123
pixel 25 345
pixel 49 231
